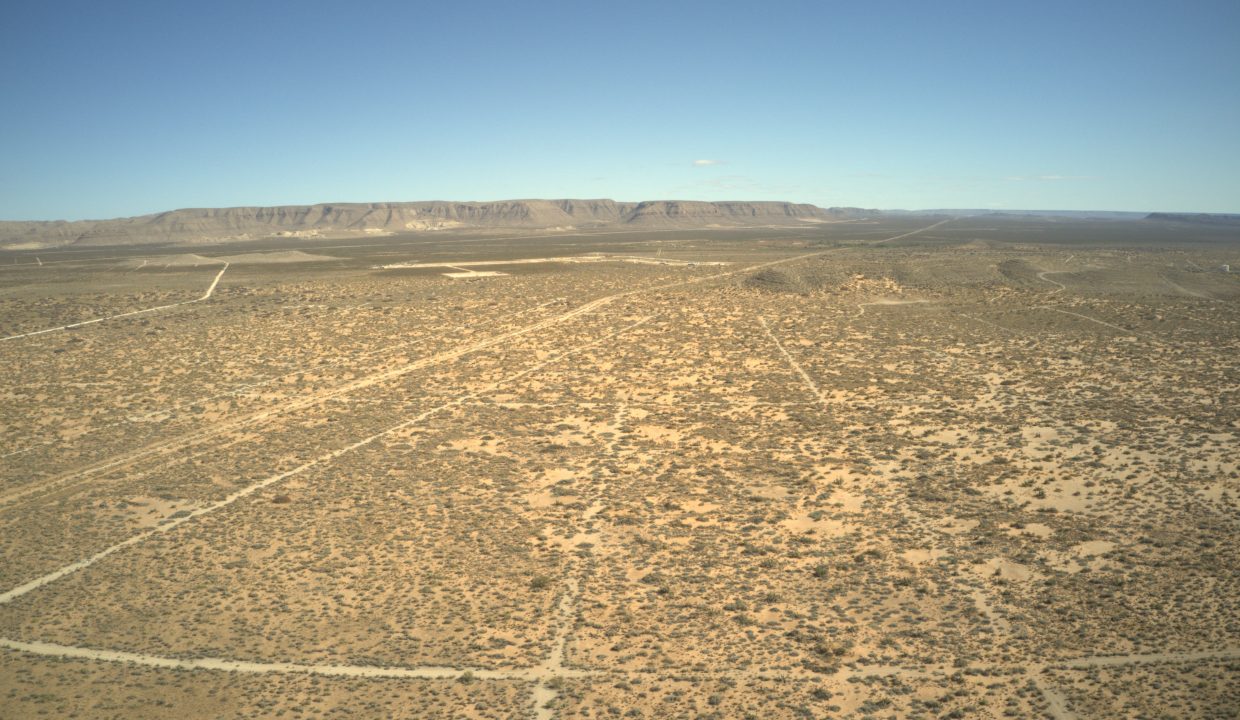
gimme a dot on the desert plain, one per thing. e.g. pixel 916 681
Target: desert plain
pixel 876 468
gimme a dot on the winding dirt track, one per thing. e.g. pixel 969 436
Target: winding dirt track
pixel 1061 287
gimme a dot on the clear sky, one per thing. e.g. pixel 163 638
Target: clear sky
pixel 121 108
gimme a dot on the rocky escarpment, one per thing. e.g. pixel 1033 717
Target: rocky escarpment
pixel 341 219
pixel 680 212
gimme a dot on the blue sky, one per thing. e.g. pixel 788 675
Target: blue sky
pixel 122 108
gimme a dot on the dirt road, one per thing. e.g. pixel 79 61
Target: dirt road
pixel 205 296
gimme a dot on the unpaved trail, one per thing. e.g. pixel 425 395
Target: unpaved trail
pixel 1094 661
pixel 541 675
pixel 907 234
pixel 214 282
pixel 1180 288
pixel 227 500
pixel 545 692
pixel 1195 319
pixel 182 442
pixel 982 602
pixel 568 618
pixel 809 382
pixel 1124 330
pixel 55 575
pixel 24 450
pixel 150 416
pixel 185 441
pixel 206 295
pixel 1056 703
pixel 433 672
pixel 1060 286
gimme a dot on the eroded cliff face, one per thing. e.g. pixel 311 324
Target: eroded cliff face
pixel 192 225
pixel 679 212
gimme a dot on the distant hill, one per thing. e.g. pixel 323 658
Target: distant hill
pixel 1196 218
pixel 200 225
pixel 1039 214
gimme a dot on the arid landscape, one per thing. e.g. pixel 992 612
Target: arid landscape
pixel 834 465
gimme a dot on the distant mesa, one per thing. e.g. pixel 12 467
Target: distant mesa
pixel 1196 218
pixel 213 225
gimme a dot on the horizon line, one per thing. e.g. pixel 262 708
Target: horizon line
pixel 937 210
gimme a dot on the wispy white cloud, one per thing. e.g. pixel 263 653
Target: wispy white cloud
pixel 706 163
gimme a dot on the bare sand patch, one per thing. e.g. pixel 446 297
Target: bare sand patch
pixel 923 556
pixel 275 258
pixel 1004 569
pixel 147 512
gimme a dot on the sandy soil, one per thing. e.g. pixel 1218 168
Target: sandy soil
pixel 674 489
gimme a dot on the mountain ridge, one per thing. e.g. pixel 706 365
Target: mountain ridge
pixel 198 225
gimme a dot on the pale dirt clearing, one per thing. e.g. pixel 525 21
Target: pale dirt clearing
pixel 463 265
pixel 887 302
